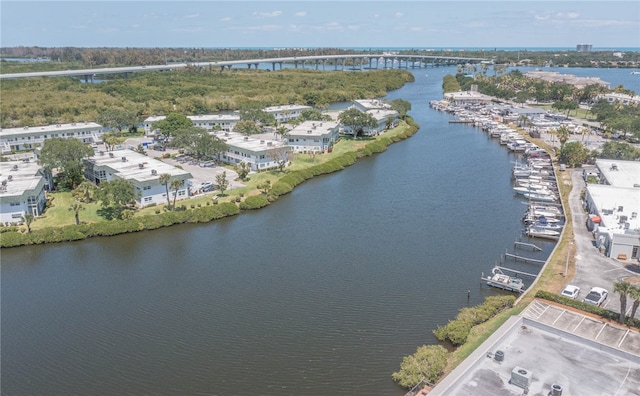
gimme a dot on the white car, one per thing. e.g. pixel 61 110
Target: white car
pixel 596 296
pixel 571 291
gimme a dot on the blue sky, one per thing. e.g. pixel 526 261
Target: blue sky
pixel 306 23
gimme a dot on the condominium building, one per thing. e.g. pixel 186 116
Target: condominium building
pixel 29 138
pixel 22 190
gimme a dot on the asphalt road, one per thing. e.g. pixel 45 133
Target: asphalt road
pixel 592 267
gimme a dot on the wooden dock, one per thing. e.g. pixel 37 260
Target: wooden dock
pixel 525 259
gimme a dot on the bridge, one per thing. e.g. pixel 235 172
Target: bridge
pixel 338 62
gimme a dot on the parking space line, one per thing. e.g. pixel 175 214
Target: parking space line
pixel 604 325
pixel 579 323
pixel 561 313
pixel 623 338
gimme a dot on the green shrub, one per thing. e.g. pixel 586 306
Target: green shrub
pixel 427 364
pixel 457 330
pixel 254 202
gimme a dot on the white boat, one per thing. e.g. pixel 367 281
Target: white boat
pixel 540 197
pixel 546 210
pixel 503 281
pixel 531 189
pixel 538 232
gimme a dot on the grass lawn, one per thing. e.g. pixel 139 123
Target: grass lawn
pixel 58 214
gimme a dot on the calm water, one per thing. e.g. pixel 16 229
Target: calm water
pixel 321 293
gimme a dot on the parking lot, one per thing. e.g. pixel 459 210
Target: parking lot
pixel 592 267
pixel 202 171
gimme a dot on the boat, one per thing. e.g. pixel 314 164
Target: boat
pixel 532 189
pixel 503 281
pixel 635 72
pixel 546 233
pixel 540 197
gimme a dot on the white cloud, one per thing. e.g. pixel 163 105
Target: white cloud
pixel 190 16
pixel 301 14
pixel 398 15
pixel 258 28
pixel 354 27
pixel 225 19
pixel 271 14
pixel 195 29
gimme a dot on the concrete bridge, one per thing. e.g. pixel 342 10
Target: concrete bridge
pixel 337 62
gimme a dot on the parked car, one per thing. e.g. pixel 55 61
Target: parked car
pixel 596 296
pixel 571 291
pixel 206 186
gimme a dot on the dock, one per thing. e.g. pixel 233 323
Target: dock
pixel 525 259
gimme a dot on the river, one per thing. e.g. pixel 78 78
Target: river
pixel 321 293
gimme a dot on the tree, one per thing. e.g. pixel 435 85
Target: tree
pixel 265 187
pixel 164 180
pixel 574 154
pixel 257 116
pixel 427 364
pixel 313 115
pixel 622 288
pixel 176 184
pixel 223 183
pixel 619 151
pixel 84 192
pixel 357 121
pixel 198 142
pixel 110 141
pixel 243 170
pixel 66 156
pixel 172 123
pixel 247 127
pixel 562 133
pixel 401 106
pixel 118 194
pixel 634 292
pixel 282 131
pixel 76 208
pixel 117 119
pixel 280 156
pixel 27 219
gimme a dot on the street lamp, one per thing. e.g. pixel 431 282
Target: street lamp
pixel 566 264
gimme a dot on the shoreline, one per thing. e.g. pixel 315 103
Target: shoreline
pixel 284 184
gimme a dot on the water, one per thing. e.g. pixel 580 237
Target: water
pixel 321 293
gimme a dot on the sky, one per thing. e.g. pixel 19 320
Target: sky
pixel 321 24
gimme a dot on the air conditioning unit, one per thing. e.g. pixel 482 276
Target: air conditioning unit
pixel 111 155
pixel 154 172
pixel 521 377
pixel 124 159
pixel 141 165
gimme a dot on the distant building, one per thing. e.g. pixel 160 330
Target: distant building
pixel 22 190
pixel 221 122
pixel 463 98
pixel 584 47
pixel 144 172
pixel 29 138
pixel 315 136
pixel 259 154
pixel 286 113
pixel 614 97
pixel 382 112
pixel 614 208
pixel 555 77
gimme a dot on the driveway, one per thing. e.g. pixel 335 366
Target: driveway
pixel 592 267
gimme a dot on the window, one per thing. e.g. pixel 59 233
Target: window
pixel 146 188
pixel 15 203
pixel 148 199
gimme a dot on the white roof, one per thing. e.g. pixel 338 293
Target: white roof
pixel 314 128
pixel 609 199
pixel 275 109
pixel 248 143
pixel 131 169
pixel 24 177
pixel 370 104
pixel 215 117
pixel 51 128
pixel 381 114
pixel 620 173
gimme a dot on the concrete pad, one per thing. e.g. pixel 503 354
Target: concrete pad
pixel 568 321
pixel 611 336
pixel 588 328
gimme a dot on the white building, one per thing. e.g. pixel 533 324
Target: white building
pixel 313 136
pixel 22 190
pixel 221 122
pixel 623 99
pixel 463 98
pixel 286 113
pixel 370 104
pixel 614 208
pixel 29 138
pixel 259 154
pixel 143 171
pixel 382 112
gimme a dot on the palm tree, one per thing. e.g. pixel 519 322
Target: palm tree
pixel 76 208
pixel 563 134
pixel 27 219
pixel 164 179
pixel 634 292
pixel 622 288
pixel 175 186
